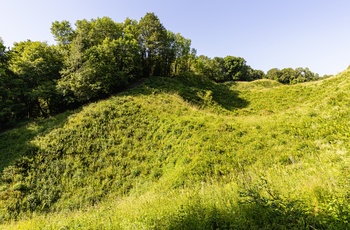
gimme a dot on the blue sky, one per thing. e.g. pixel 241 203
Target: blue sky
pixel 266 33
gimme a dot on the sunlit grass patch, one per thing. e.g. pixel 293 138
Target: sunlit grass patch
pixel 177 153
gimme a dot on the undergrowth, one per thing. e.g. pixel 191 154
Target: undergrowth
pixel 185 153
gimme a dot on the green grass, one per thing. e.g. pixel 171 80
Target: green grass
pixel 185 153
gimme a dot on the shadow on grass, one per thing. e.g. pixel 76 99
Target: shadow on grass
pixel 16 143
pixel 16 146
pixel 254 216
pixel 196 90
pixel 199 91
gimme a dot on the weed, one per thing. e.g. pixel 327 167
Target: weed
pixel 185 153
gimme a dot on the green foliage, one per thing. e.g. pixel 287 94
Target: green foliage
pixel 100 57
pixel 198 91
pixel 99 60
pixel 182 52
pixel 292 76
pixel 235 68
pixel 95 31
pixel 2 54
pixel 11 105
pixel 185 152
pixel 104 57
pixel 37 66
pixel 105 68
pixel 156 54
pixel 229 68
pixel 255 74
pixel 62 32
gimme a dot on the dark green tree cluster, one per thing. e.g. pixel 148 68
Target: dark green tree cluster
pixel 99 57
pixel 9 90
pixel 37 67
pixel 292 76
pixel 102 56
pixel 28 78
pixel 229 68
pixel 94 59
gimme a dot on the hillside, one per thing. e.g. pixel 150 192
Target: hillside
pixel 185 153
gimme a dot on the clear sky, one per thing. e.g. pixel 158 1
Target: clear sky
pixel 266 33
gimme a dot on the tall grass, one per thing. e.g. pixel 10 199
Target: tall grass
pixel 186 153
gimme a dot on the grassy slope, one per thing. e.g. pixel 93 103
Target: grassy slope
pixel 185 153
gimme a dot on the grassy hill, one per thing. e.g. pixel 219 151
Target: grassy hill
pixel 185 153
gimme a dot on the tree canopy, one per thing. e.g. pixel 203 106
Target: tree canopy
pixel 96 58
pixel 291 76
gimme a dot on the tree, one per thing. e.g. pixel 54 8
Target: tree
pixel 255 74
pixel 229 68
pixel 292 76
pixel 217 69
pixel 273 74
pixel 288 75
pixel 201 65
pixel 11 108
pixel 182 53
pixel 105 69
pixel 62 32
pixel 130 29
pixel 305 75
pixel 2 56
pixel 95 31
pixel 154 46
pixel 38 65
pixel 235 69
pixel 103 57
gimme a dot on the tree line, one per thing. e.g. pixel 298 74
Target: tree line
pixel 100 57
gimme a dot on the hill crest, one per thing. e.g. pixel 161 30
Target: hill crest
pixel 257 144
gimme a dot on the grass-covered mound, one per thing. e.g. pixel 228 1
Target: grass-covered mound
pixel 185 153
